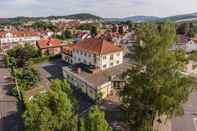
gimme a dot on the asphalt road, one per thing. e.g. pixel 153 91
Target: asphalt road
pixel 187 122
pixel 10 119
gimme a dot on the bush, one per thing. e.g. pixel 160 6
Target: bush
pixel 14 92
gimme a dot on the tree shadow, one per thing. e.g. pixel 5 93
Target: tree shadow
pixel 55 69
pixel 12 121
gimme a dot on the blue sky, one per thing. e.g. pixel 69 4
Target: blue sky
pixel 104 8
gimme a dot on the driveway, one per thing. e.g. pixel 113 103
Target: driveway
pixel 10 119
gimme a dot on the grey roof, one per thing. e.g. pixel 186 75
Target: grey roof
pixel 101 77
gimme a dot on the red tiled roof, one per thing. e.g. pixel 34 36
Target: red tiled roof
pixel 46 43
pixel 97 46
pixel 18 33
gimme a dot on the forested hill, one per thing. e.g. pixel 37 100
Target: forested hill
pixel 80 16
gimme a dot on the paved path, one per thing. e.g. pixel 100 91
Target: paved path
pixel 9 117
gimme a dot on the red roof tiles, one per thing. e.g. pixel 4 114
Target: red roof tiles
pixel 46 43
pixel 97 46
pixel 18 34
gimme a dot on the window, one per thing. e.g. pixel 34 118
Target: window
pixel 81 53
pixel 111 57
pixel 89 55
pixel 118 54
pixel 79 60
pixel 111 64
pixel 117 62
pixel 85 54
pixel 104 66
pixel 104 57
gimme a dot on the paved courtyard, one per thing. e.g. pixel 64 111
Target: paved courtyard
pixel 53 70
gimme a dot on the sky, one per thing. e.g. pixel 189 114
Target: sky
pixel 103 8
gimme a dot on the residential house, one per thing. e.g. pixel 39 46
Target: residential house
pixel 49 46
pixel 9 39
pixel 93 65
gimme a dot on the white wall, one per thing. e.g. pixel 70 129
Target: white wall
pixel 106 62
pixel 102 61
pixel 80 56
pixel 10 38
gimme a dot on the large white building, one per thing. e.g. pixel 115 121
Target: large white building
pixel 96 52
pixel 94 66
pixel 9 39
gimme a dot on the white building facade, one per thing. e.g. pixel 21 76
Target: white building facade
pixel 96 52
pixel 9 39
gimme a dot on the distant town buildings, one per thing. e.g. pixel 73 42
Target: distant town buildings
pixel 12 38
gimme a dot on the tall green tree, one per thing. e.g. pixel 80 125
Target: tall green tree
pixel 22 54
pixel 27 76
pixel 95 121
pixel 50 111
pixel 93 30
pixel 67 34
pixel 65 87
pixel 155 86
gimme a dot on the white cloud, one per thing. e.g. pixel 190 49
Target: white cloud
pixel 25 1
pixel 105 8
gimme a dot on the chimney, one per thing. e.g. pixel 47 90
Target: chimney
pixel 78 70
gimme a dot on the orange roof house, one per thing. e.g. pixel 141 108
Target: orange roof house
pixel 49 46
pixel 97 46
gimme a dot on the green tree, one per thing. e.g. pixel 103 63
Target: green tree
pixel 93 30
pixel 22 54
pixel 120 30
pixel 50 111
pixel 65 87
pixel 155 86
pixel 27 76
pixel 67 34
pixel 95 121
pixel 183 28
